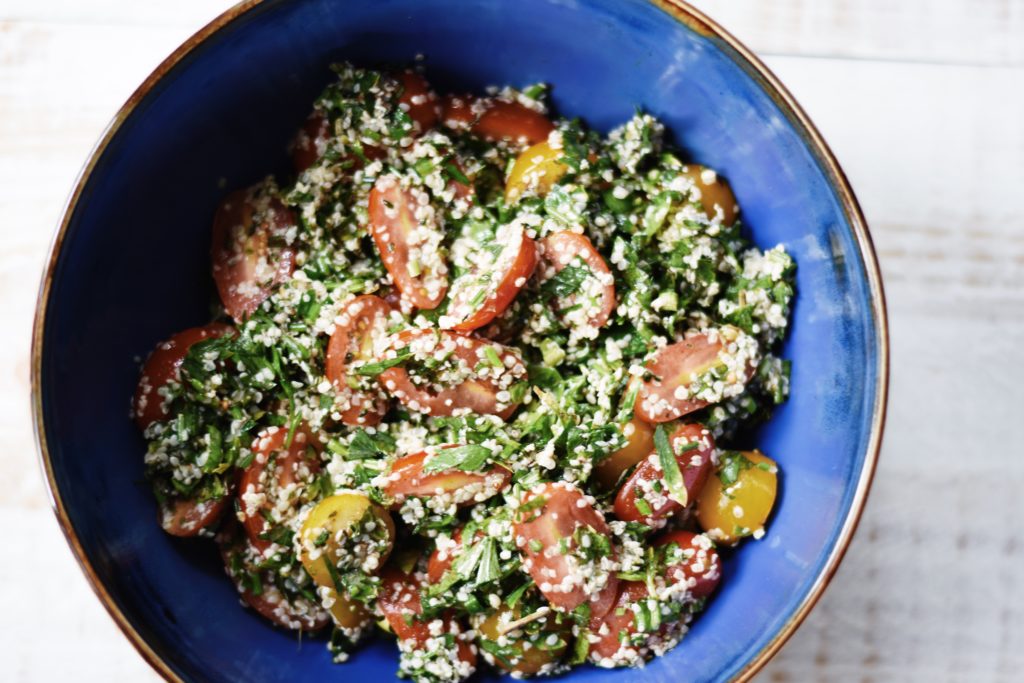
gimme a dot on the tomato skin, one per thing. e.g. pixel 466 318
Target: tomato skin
pixel 245 268
pixel 700 570
pixel 286 471
pixel 694 465
pixel 753 495
pixel 560 249
pixel 496 120
pixel 163 366
pixel 535 170
pixel 407 479
pixel 418 100
pixel 618 619
pixel 639 444
pixel 392 224
pixel 440 563
pixel 477 393
pixel 185 518
pixel 564 510
pixel 715 196
pixel 519 271
pixel 399 599
pixel 310 142
pixel 673 366
pixel 353 337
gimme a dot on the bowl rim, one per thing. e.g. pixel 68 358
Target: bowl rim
pixel 695 20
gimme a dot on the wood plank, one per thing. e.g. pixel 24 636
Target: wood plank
pixel 984 32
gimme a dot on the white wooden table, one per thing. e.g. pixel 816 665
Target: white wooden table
pixel 922 101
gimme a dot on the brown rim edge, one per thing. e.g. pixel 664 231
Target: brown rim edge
pixel 695 20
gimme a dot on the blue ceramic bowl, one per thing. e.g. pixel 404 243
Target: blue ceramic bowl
pixel 129 266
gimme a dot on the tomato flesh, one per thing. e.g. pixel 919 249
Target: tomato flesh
pixel 474 300
pixel 496 120
pixel 729 512
pixel 407 479
pixel 292 465
pixel 608 628
pixel 482 388
pixel 358 325
pixel 399 601
pixel 248 260
pixel 163 366
pixel 639 444
pixel 647 482
pixel 675 366
pixel 409 249
pixel 563 248
pixel 185 517
pixel 311 141
pixel 418 101
pixel 699 567
pixel 544 530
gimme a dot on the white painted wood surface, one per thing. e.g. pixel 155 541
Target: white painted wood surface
pixel 922 101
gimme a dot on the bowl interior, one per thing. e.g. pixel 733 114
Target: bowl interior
pixel 133 268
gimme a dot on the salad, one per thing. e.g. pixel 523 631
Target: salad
pixel 479 379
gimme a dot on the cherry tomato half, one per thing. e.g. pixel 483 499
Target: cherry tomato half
pixel 563 248
pixel 311 141
pixel 407 479
pixel 186 517
pixel 496 120
pixel 546 532
pixel 611 632
pixel 258 487
pixel 639 444
pixel 248 251
pixel 486 290
pixel 696 565
pixel 418 101
pixel 738 500
pixel 675 367
pixel 487 370
pixel 644 496
pixel 163 366
pixel 358 326
pixel 410 248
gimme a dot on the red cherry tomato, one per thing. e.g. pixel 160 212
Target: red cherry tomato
pixel 357 325
pixel 418 101
pixel 484 388
pixel 612 628
pixel 647 481
pixel 407 479
pixel 248 257
pixel 545 537
pixel 311 141
pixel 270 603
pixel 496 120
pixel 561 249
pixel 409 248
pixel 163 366
pixel 487 289
pixel 399 601
pixel 257 488
pixel 185 517
pixel 675 367
pixel 698 567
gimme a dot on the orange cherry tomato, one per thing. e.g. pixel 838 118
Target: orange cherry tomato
pixel 163 366
pixel 186 517
pixel 247 262
pixel 418 101
pixel 512 122
pixel 713 193
pixel 563 248
pixel 407 479
pixel 675 367
pixel 487 289
pixel 484 389
pixel 698 565
pixel 545 533
pixel 639 444
pixel 310 142
pixel 647 482
pixel 409 248
pixel 258 488
pixel 399 601
pixel 361 321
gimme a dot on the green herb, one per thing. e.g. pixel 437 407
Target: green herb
pixel 670 468
pixel 469 458
pixel 376 368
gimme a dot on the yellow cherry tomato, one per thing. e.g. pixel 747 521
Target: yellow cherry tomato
pixel 345 532
pixel 639 444
pixel 527 646
pixel 736 500
pixel 534 172
pixel 712 192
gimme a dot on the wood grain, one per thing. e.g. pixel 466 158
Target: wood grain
pixel 922 103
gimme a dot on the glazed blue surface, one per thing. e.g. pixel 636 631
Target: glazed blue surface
pixel 134 269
